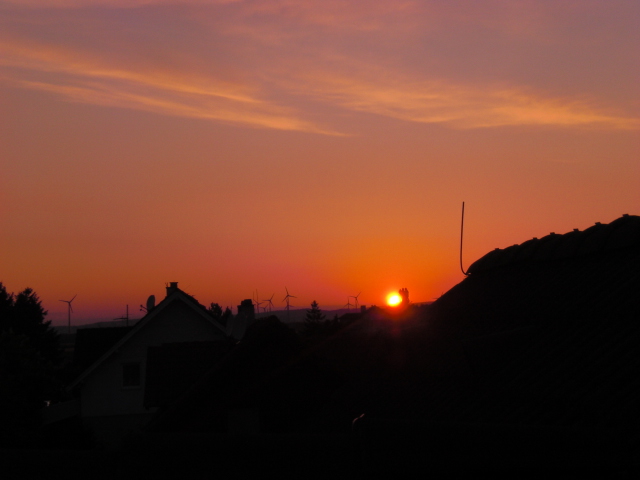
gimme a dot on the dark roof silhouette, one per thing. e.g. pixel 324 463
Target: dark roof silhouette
pixel 92 343
pixel 548 331
pixel 621 233
pixel 557 279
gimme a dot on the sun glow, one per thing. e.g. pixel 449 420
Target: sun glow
pixel 393 299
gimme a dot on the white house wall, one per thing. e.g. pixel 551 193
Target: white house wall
pixel 103 393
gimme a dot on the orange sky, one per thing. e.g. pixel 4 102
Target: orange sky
pixel 322 145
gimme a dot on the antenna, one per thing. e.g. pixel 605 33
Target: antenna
pixel 126 317
pixel 461 235
pixel 69 310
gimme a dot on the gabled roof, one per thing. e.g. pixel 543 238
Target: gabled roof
pixel 175 295
pixel 93 343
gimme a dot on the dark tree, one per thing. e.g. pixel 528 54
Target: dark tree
pixel 216 311
pixel 226 316
pixel 6 309
pixel 29 348
pixel 315 315
pixel 314 320
pixel 29 320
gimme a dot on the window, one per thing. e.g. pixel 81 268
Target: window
pixel 131 375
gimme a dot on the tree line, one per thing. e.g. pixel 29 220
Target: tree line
pixel 29 354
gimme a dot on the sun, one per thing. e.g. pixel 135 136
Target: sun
pixel 393 299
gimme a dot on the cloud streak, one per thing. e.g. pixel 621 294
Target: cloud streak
pixel 269 66
pixel 160 91
pixel 454 104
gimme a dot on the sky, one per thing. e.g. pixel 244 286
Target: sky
pixel 322 146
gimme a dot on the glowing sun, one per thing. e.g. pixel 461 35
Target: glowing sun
pixel 393 299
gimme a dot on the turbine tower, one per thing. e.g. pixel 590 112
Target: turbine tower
pixel 69 310
pixel 256 302
pixel 355 297
pixel 348 304
pixel 287 300
pixel 270 303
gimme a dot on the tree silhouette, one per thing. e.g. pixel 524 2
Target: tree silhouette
pixel 23 314
pixel 224 319
pixel 216 311
pixel 29 348
pixel 315 319
pixel 6 308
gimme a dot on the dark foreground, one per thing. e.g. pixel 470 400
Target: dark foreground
pixel 376 449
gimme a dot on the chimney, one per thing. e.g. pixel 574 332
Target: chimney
pixel 246 310
pixel 404 294
pixel 173 286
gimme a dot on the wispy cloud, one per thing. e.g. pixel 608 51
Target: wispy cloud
pixel 269 64
pixel 456 104
pixel 186 94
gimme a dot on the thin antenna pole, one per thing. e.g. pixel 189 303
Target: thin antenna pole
pixel 461 236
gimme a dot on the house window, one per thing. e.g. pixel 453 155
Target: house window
pixel 131 375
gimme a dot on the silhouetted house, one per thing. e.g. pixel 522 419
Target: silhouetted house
pixel 112 389
pixel 262 385
pixel 531 362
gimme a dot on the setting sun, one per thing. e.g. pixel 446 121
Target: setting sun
pixel 393 299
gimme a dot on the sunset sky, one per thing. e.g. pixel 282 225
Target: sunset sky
pixel 325 146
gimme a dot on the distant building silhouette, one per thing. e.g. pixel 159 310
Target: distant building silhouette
pixel 246 311
pixel 404 295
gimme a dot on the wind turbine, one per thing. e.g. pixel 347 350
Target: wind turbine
pixel 348 304
pixel 356 299
pixel 69 310
pixel 287 299
pixel 270 302
pixel 257 303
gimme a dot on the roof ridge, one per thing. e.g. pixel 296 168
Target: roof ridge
pixel 620 233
